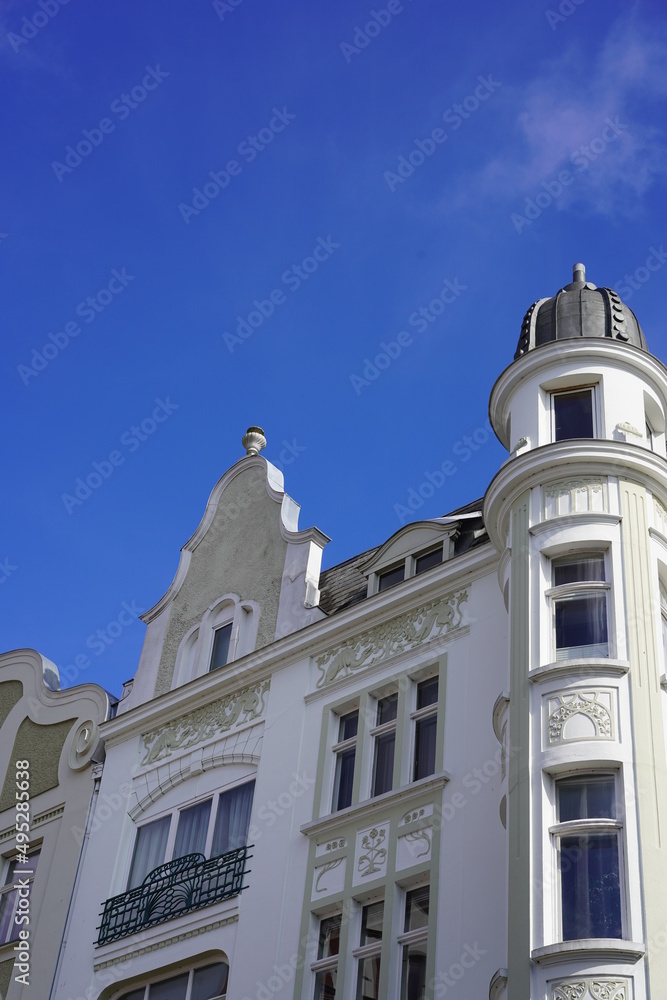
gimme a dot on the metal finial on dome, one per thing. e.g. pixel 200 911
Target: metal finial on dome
pixel 579 272
pixel 253 440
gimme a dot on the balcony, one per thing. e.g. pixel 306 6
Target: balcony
pixel 171 890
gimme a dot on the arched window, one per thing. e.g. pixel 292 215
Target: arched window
pixel 227 631
pixel 207 982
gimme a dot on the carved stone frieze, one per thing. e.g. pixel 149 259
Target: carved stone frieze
pixel 392 637
pixel 206 722
pixel 595 988
pixel 570 496
pixel 595 705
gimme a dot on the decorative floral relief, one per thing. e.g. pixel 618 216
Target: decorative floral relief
pixel 371 843
pixel 410 817
pixel 200 725
pixel 572 495
pixel 420 843
pixel 323 870
pixel 392 637
pixel 661 513
pixel 334 845
pixel 564 705
pixel 591 989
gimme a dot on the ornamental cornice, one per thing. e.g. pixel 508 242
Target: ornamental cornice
pixel 392 637
pixel 575 458
pixel 204 723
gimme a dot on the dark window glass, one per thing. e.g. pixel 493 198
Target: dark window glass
pixel 134 995
pixel 416 908
pixel 329 943
pixel 425 732
pixel 581 622
pixel 573 414
pixel 325 985
pixel 391 578
pixel 210 982
pixel 427 692
pixel 413 972
pixel 586 798
pixel 387 708
pixel 348 726
pixel 383 765
pixel 192 829
pixel 578 570
pixel 221 640
pixel 368 983
pixel 427 561
pixel 233 819
pixel 590 884
pixel 344 778
pixel 371 923
pixel 169 989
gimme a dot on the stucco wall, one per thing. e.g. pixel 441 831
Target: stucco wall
pixel 10 694
pixel 5 976
pixel 42 746
pixel 242 553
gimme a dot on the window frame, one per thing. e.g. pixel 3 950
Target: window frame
pixel 418 935
pixel 9 887
pixel 204 964
pixel 593 387
pixel 378 731
pixel 585 827
pixel 174 816
pixel 330 962
pixel 389 571
pixel 338 749
pixel 372 950
pixel 416 716
pixel 580 589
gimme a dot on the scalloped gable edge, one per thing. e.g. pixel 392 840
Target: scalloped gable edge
pixel 289 524
pixel 13 667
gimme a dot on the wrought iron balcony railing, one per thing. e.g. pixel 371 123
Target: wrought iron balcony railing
pixel 182 885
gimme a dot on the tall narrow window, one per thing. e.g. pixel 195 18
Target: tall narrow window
pixel 588 844
pixel 414 941
pixel 192 829
pixel 384 736
pixel 326 966
pixel 9 894
pixel 573 414
pixel 426 726
pixel 345 751
pixel 149 849
pixel 221 640
pixel 580 595
pixel 233 819
pixel 369 951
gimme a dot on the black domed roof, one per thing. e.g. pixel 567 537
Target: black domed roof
pixel 579 310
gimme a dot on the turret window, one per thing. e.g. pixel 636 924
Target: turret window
pixel 580 596
pixel 573 414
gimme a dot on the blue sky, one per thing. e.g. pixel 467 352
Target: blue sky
pixel 216 215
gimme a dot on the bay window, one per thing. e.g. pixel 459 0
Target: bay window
pixel 326 966
pixel 588 843
pixel 384 736
pixel 413 943
pixel 345 751
pixel 368 952
pixel 580 596
pixel 212 827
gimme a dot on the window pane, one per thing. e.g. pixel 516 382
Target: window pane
pixel 416 908
pixel 383 766
pixel 413 972
pixel 134 995
pixel 233 819
pixel 427 692
pixel 581 626
pixel 391 578
pixel 348 726
pixel 149 849
pixel 192 829
pixel 573 414
pixel 329 943
pixel 590 887
pixel 578 570
pixel 368 982
pixel 169 989
pixel 210 982
pixel 371 923
pixel 342 797
pixel 325 985
pixel 425 732
pixel 8 929
pixel 387 708
pixel 586 798
pixel 428 560
pixel 220 652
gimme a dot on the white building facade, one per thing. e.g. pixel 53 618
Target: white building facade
pixel 436 770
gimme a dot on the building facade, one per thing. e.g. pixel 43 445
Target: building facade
pixel 438 769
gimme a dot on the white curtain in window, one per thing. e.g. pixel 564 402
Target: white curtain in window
pixel 192 829
pixel 233 819
pixel 149 849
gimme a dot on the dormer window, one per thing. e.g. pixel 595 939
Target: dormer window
pixel 428 560
pixel 572 414
pixel 221 642
pixel 391 577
